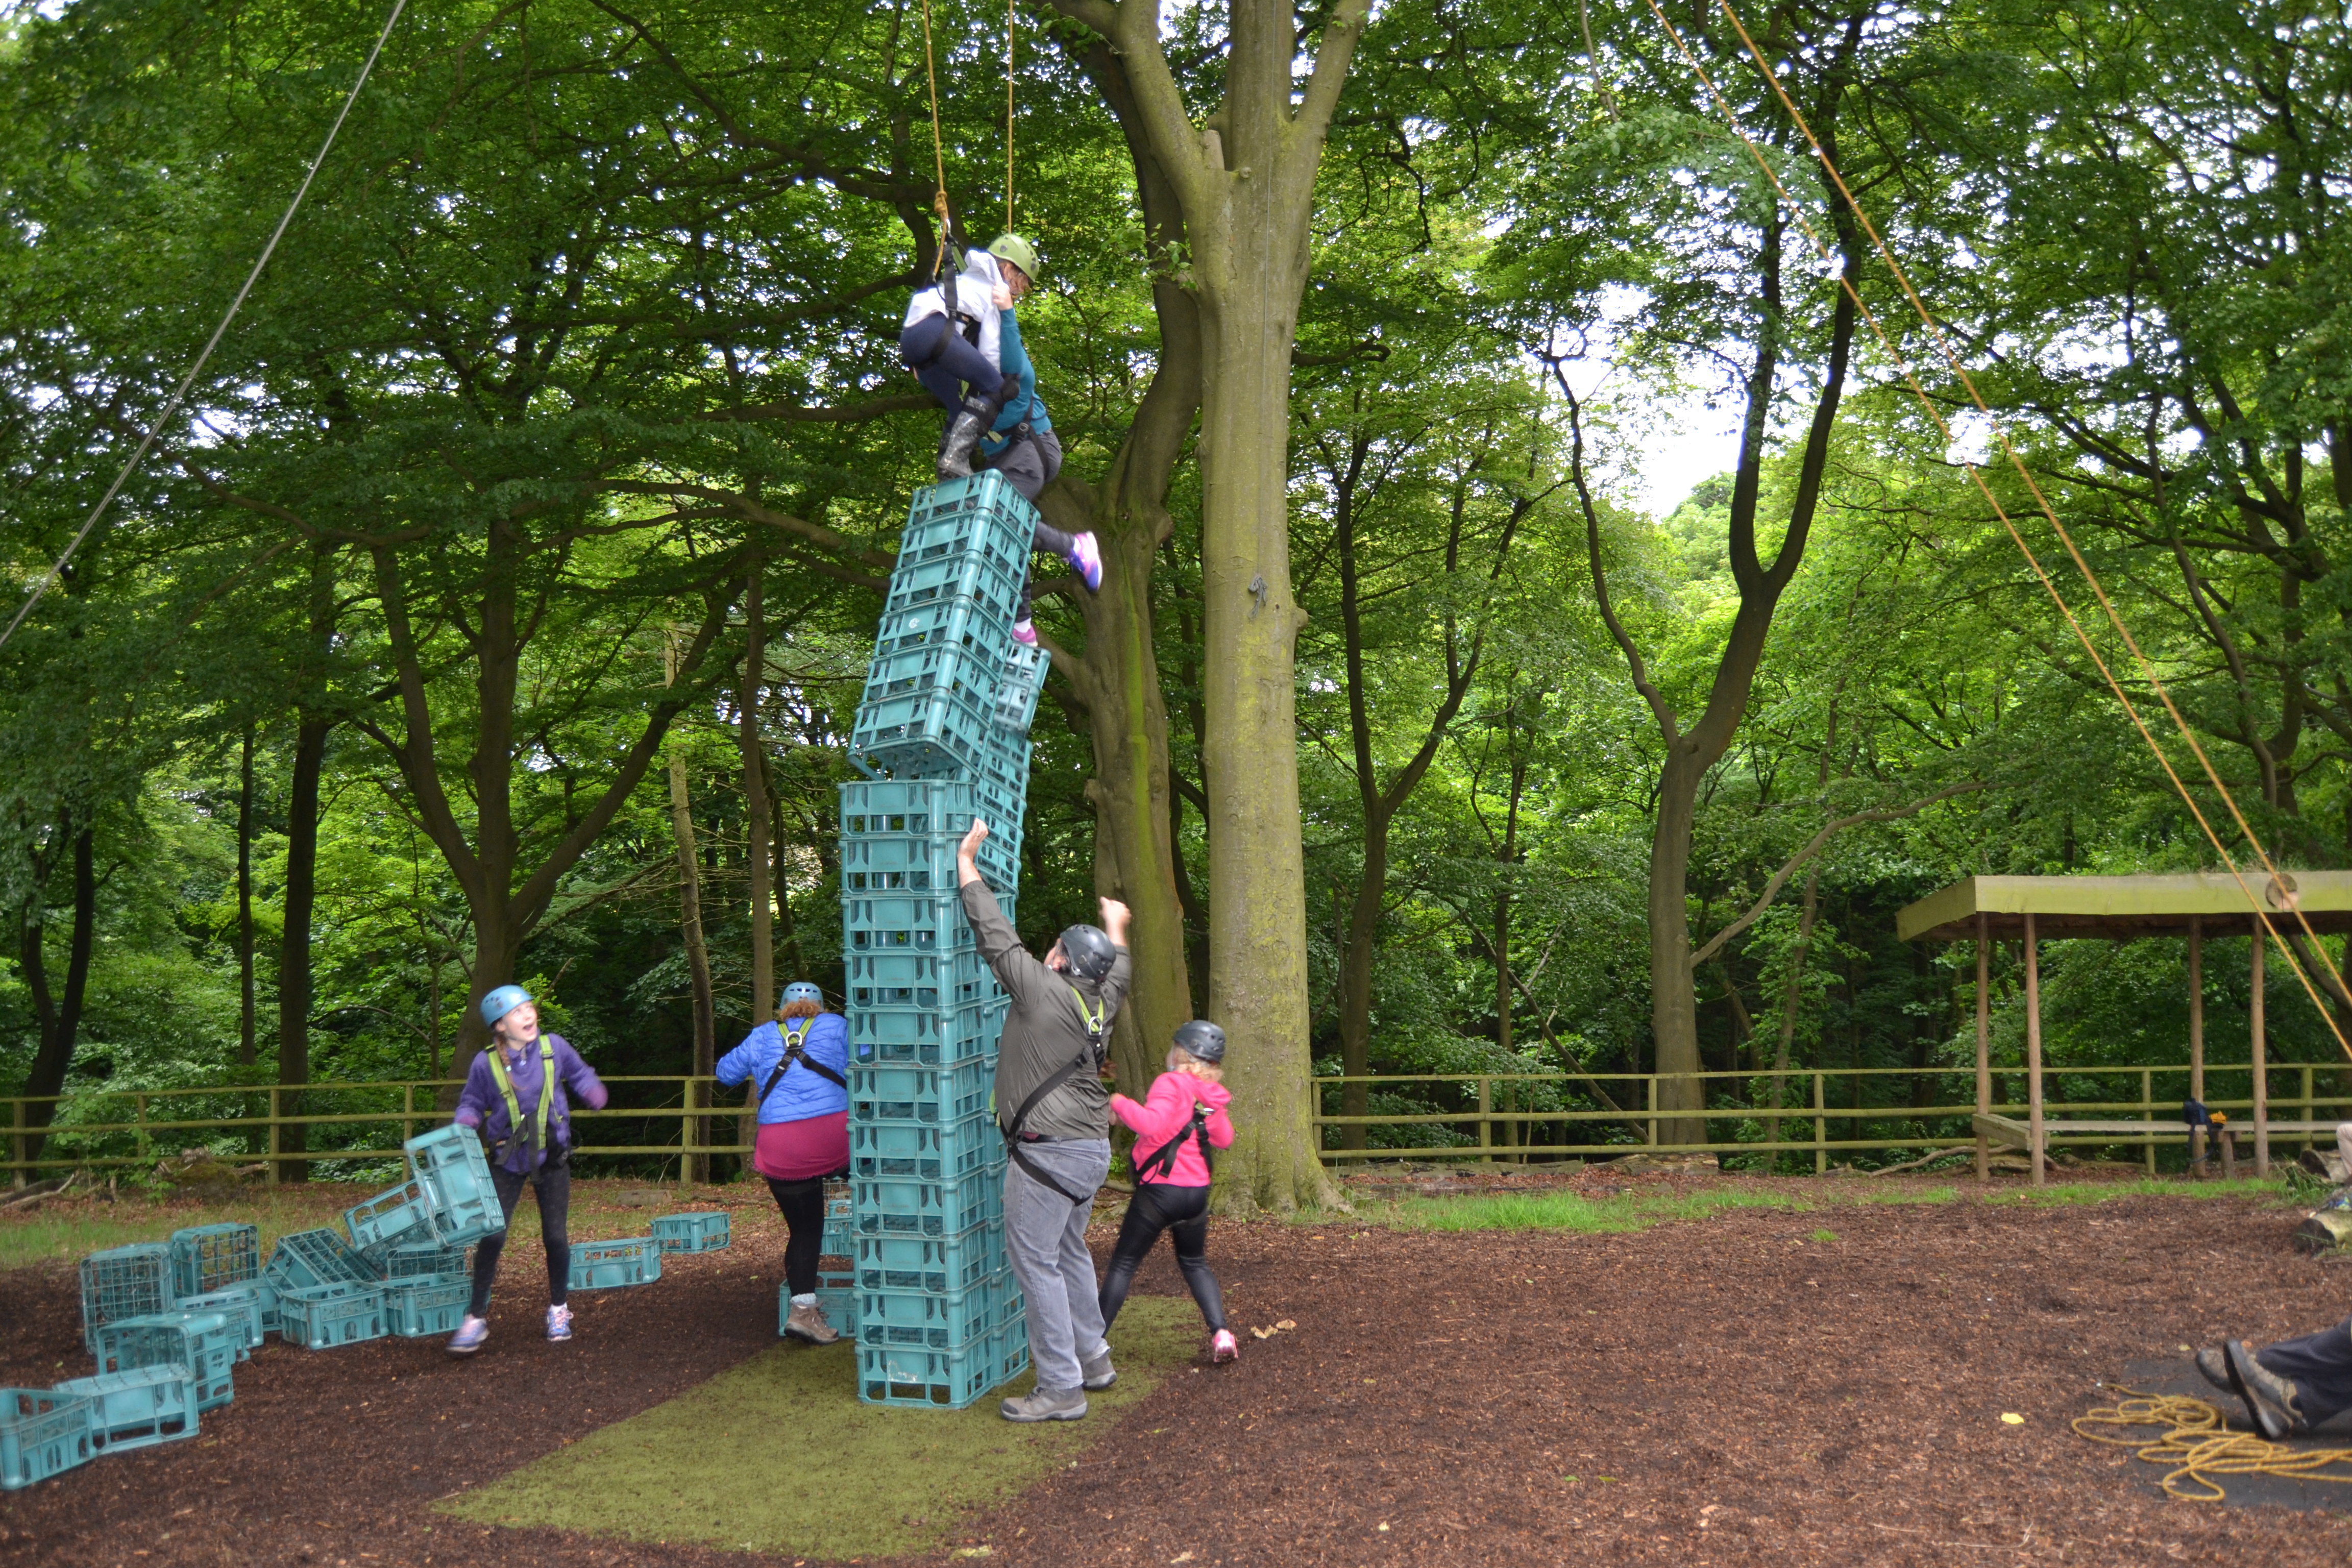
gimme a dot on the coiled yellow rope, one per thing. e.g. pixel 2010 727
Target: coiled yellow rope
pixel 2198 1446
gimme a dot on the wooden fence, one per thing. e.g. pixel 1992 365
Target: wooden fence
pixel 1495 1116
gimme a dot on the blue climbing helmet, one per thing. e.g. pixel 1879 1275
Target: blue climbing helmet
pixel 804 991
pixel 501 1002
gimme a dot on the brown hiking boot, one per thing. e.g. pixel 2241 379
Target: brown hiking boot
pixel 2274 1402
pixel 808 1323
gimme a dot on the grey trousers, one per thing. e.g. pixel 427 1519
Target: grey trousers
pixel 1046 1237
pixel 1029 466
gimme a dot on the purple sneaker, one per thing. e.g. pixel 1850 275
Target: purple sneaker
pixel 559 1323
pixel 468 1337
pixel 1086 556
pixel 1024 632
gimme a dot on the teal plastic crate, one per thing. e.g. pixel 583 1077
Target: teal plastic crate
pixel 426 1257
pixel 397 1218
pixel 921 1094
pixel 930 1152
pixel 912 1206
pixel 450 1165
pixel 136 1409
pixel 43 1433
pixel 941 1319
pixel 927 1036
pixel 306 1260
pixel 208 1257
pixel 422 1306
pixel 209 1344
pixel 942 1379
pixel 878 862
pixel 251 1308
pixel 969 672
pixel 983 512
pixel 888 1261
pixel 887 978
pixel 609 1264
pixel 123 1282
pixel 923 734
pixel 323 1317
pixel 836 1298
pixel 985 573
pixel 1019 680
pixel 705 1231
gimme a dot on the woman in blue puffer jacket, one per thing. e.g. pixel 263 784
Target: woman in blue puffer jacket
pixel 801 1064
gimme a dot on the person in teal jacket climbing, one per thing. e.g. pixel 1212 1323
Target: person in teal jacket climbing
pixel 800 1066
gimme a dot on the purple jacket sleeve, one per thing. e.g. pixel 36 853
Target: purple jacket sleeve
pixel 579 1079
pixel 475 1099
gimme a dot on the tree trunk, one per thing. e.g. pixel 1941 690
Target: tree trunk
pixel 755 802
pixel 59 1017
pixel 246 1050
pixel 697 958
pixel 1791 996
pixel 294 944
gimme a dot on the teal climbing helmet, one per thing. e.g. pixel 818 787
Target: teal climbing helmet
pixel 501 1002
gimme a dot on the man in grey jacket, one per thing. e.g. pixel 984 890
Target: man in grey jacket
pixel 1055 1113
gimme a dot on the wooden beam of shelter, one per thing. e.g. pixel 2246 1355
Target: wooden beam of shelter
pixel 2124 908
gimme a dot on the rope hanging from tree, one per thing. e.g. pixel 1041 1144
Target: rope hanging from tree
pixel 1976 473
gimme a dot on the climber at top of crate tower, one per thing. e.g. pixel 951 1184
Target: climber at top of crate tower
pixel 961 339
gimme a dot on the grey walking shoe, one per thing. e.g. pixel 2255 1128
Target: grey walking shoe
pixel 2214 1369
pixel 1046 1404
pixel 1099 1372
pixel 2271 1401
pixel 808 1323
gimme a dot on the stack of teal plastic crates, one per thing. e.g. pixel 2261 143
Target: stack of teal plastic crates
pixel 944 736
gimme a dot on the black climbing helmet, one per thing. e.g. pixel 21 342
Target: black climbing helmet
pixel 1201 1040
pixel 1090 951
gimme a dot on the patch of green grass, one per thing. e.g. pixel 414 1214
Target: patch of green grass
pixel 1569 1211
pixel 778 1455
pixel 1824 1235
pixel 2157 1187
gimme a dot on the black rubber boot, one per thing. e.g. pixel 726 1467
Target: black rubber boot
pixel 971 423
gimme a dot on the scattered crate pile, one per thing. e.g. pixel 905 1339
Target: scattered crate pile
pixel 943 735
pixel 168 1323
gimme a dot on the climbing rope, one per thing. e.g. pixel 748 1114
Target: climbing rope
pixel 180 393
pixel 2198 1448
pixel 938 149
pixel 1011 25
pixel 1976 473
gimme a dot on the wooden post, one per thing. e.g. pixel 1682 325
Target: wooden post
pixel 1984 1043
pixel 2260 1067
pixel 2035 1150
pixel 2196 1038
pixel 17 1144
pixel 1486 1124
pixel 2307 1118
pixel 276 1109
pixel 1653 1109
pixel 2147 1114
pixel 1820 1126
pixel 407 1112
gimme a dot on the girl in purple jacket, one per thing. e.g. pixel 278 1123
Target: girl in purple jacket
pixel 519 1093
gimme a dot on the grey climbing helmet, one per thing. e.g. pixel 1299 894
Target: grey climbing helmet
pixel 1089 950
pixel 1201 1040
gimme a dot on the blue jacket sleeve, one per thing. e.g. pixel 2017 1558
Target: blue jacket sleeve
pixel 739 1063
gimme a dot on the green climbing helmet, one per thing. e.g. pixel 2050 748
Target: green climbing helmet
pixel 1020 252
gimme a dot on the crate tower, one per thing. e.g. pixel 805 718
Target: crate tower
pixel 943 735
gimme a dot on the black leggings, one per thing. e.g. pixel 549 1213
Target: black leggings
pixel 1184 1212
pixel 803 1204
pixel 1054 541
pixel 553 1182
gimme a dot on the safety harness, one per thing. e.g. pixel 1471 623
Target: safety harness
pixel 1097 1024
pixel 1161 1162
pixel 793 1054
pixel 536 1138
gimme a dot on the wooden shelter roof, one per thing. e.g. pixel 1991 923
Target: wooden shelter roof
pixel 2125 908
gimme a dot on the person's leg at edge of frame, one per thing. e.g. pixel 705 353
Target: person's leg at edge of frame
pixel 553 1182
pixel 1078 1288
pixel 1136 1234
pixel 476 1328
pixel 1038 1222
pixel 1190 1238
pixel 802 1204
pixel 2318 1367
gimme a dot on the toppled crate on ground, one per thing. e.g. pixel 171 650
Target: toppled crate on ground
pixel 608 1265
pixel 394 1218
pixel 306 1260
pixel 322 1317
pixel 207 1343
pixel 208 1257
pixel 123 1282
pixel 450 1165
pixel 250 1307
pixel 422 1306
pixel 426 1257
pixel 137 1409
pixel 836 1298
pixel 699 1232
pixel 43 1433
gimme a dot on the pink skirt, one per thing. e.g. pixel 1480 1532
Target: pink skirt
pixel 797 1150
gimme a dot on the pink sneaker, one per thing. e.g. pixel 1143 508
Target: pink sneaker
pixel 1224 1347
pixel 1086 556
pixel 1024 632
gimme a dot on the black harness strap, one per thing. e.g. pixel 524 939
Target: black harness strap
pixel 1091 1055
pixel 793 1053
pixel 1163 1160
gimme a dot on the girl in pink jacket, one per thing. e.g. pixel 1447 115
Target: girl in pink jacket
pixel 1177 1125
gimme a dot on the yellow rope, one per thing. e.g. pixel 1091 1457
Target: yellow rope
pixel 2198 1448
pixel 939 148
pixel 2049 513
pixel 1012 21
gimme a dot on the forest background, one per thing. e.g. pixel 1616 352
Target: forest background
pixel 498 604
